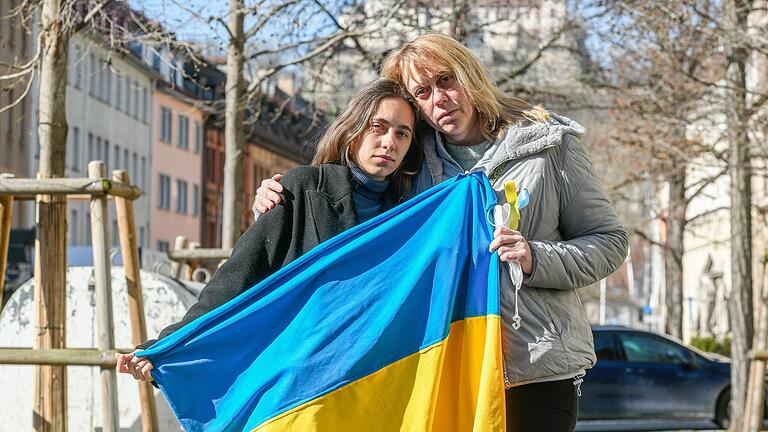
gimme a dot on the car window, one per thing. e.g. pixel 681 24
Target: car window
pixel 640 347
pixel 604 347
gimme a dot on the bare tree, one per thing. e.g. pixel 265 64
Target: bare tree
pixel 233 131
pixel 740 303
pixel 696 55
pixel 653 52
pixel 51 268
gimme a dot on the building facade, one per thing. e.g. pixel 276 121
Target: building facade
pixel 15 49
pixel 278 137
pixel 177 168
pixel 109 114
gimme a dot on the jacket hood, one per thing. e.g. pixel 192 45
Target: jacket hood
pixel 531 138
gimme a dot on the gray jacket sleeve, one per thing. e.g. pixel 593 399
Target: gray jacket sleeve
pixel 594 241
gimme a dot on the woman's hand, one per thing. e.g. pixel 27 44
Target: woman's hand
pixel 137 366
pixel 267 195
pixel 512 246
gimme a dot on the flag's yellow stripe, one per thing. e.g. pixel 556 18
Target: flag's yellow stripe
pixel 454 385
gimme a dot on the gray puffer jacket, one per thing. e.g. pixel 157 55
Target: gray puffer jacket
pixel 574 234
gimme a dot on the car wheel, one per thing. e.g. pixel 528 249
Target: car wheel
pixel 723 409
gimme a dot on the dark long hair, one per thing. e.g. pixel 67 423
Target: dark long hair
pixel 343 134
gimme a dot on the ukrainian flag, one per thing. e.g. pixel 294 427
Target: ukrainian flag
pixel 390 326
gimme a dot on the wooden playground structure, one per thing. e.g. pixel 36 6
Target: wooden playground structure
pixel 50 355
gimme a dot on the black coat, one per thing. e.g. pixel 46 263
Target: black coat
pixel 317 205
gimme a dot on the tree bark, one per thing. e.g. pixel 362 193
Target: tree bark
pixel 233 129
pixel 673 254
pixel 740 303
pixel 50 404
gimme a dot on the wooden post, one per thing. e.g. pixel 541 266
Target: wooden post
pixel 179 244
pixel 50 382
pixel 756 385
pixel 192 264
pixel 71 356
pixel 6 205
pixel 102 279
pixel 132 267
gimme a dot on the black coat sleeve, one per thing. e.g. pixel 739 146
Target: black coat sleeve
pixel 262 250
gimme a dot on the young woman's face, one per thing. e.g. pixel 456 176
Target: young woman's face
pixel 382 148
pixel 445 104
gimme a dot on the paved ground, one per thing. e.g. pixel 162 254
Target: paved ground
pixel 644 425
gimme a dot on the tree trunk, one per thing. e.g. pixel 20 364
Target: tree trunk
pixel 740 303
pixel 673 254
pixel 50 405
pixel 233 129
pixel 458 25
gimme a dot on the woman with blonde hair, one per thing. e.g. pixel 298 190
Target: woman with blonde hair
pixel 364 165
pixel 568 234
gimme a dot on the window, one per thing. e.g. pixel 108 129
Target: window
pixel 174 73
pixel 119 92
pixel 181 196
pixel 604 346
pixel 91 150
pixel 76 148
pixel 135 172
pixel 99 151
pixel 127 95
pixel 164 192
pixel 9 126
pixel 165 124
pixel 183 132
pixel 144 104
pixel 106 156
pixel 135 111
pixel 117 157
pixel 141 236
pixel 126 155
pixel 77 73
pixel 195 200
pixel 143 173
pixel 156 60
pixel 102 78
pixel 198 137
pixel 644 348
pixel 91 74
pixel 163 246
pixel 108 85
pixel 22 127
pixel 11 28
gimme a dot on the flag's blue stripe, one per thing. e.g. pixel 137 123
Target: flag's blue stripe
pixel 306 331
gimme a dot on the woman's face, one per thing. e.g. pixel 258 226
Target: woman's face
pixel 445 104
pixel 382 148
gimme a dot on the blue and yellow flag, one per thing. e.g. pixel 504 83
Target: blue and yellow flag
pixel 390 326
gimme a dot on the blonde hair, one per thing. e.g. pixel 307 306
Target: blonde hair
pixel 430 52
pixel 343 134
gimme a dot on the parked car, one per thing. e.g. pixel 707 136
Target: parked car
pixel 642 375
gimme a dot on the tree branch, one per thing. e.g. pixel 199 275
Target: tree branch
pixel 23 94
pixel 704 214
pixel 645 237
pixel 708 181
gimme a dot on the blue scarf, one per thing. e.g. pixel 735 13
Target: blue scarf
pixel 367 193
